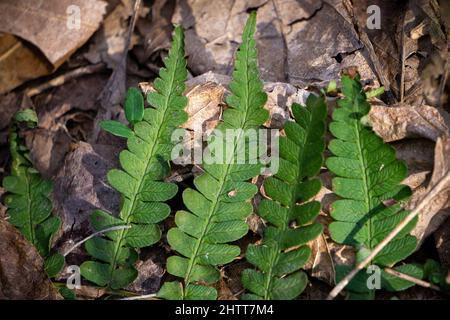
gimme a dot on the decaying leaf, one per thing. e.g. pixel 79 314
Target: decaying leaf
pixel 204 104
pixel 289 34
pixel 80 187
pixel 156 29
pixel 437 210
pixel 15 52
pixel 109 42
pixel 402 121
pixel 57 28
pixel 65 115
pixel 22 274
pixel 410 35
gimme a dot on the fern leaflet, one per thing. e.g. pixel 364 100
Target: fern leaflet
pixel 367 175
pixel 217 211
pixel 144 166
pixel 28 197
pixel 283 251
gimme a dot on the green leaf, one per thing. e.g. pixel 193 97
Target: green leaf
pixel 67 293
pixel 375 92
pixel 134 105
pixel 393 283
pixel 28 197
pixel 216 213
pixel 367 174
pixel 171 291
pixel 54 264
pixel 27 115
pixel 145 164
pixel 283 252
pixel 116 128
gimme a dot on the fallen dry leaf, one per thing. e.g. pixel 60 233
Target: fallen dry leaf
pixel 63 113
pixel 110 41
pixel 437 210
pixel 28 65
pixel 402 121
pixel 150 273
pixel 402 51
pixel 204 104
pixel 80 187
pixel 22 275
pixel 156 29
pixel 50 26
pixel 300 42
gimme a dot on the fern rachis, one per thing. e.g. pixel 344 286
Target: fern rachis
pixel 145 164
pixel 220 205
pixel 367 174
pixel 29 197
pixel 283 251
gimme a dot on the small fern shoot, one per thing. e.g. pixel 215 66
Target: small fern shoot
pixel 218 208
pixel 145 163
pixel 283 251
pixel 368 177
pixel 28 197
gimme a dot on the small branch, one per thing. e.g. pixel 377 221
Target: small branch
pixel 409 278
pixel 403 57
pixel 101 232
pixel 60 80
pixel 442 184
pixel 146 296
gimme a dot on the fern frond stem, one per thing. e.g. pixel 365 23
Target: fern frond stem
pixel 223 177
pixel 210 215
pixel 441 185
pixel 150 156
pixel 30 217
pixel 274 260
pixel 368 198
pixel 409 278
pixel 101 232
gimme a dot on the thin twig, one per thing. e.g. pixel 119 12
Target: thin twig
pixel 402 71
pixel 442 184
pixel 409 278
pixel 61 79
pixel 94 235
pixel 146 296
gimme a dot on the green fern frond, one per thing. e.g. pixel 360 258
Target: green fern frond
pixel 145 163
pixel 218 208
pixel 283 251
pixel 367 176
pixel 28 197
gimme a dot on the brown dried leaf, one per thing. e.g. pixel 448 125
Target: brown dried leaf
pixel 64 116
pixel 22 274
pixel 45 25
pixel 204 104
pixel 437 210
pixel 299 42
pixel 109 42
pixel 80 188
pixel 402 121
pixel 411 33
pixel 156 30
pixel 27 65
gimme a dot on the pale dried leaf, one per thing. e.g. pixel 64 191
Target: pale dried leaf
pixel 402 121
pixel 437 210
pixel 22 275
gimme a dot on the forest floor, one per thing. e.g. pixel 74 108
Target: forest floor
pixel 76 74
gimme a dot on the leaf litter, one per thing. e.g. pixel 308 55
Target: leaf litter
pixel 305 44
